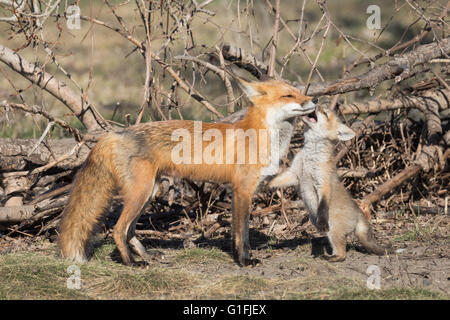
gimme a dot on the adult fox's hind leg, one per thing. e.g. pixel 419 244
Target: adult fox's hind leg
pixel 136 190
pixel 136 245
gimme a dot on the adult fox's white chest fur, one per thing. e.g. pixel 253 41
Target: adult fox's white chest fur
pixel 314 172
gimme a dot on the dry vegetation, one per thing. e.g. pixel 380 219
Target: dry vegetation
pixel 138 61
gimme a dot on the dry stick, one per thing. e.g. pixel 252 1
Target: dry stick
pixel 191 91
pixel 422 16
pixel 74 131
pixel 30 219
pixel 298 40
pixel 417 38
pixel 220 72
pixel 161 234
pixel 91 66
pixel 273 50
pixel 227 83
pixel 24 233
pixel 359 131
pixel 148 65
pixel 208 233
pixel 51 53
pixel 325 34
pixel 51 194
pixel 442 81
pixel 119 18
pixel 387 187
pixel 48 165
pixel 16 214
pixel 44 134
pixel 244 60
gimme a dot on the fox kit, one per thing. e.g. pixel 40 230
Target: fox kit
pixel 132 161
pixel 313 170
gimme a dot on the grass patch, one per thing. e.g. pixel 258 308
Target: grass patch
pixel 202 255
pixel 104 251
pixel 32 275
pixel 352 289
pixel 198 273
pixel 390 294
pixel 420 231
pixel 239 287
pixel 142 284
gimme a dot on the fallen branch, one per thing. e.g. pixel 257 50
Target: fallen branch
pixel 441 97
pixel 244 60
pixel 16 214
pixel 387 187
pixel 399 67
pixel 14 154
pixel 86 114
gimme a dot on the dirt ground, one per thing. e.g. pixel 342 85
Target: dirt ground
pixel 203 268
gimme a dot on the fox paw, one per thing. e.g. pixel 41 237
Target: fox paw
pixel 250 262
pixel 334 258
pixel 245 259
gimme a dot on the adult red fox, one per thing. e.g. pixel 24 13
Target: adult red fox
pixel 132 161
pixel 314 172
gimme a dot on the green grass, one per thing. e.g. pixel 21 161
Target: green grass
pixel 390 294
pixel 198 273
pixel 421 230
pixel 240 287
pixel 202 255
pixel 31 275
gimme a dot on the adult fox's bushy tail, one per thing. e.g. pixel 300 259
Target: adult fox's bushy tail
pixel 89 197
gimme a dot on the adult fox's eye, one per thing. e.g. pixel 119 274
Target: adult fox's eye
pixel 288 96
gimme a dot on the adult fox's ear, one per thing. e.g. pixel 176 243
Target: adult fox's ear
pixel 344 133
pixel 251 89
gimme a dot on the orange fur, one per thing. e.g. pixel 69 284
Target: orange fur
pixel 133 160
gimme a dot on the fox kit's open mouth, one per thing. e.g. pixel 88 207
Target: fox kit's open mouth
pixel 311 117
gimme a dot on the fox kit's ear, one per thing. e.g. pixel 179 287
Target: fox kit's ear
pixel 344 133
pixel 251 89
